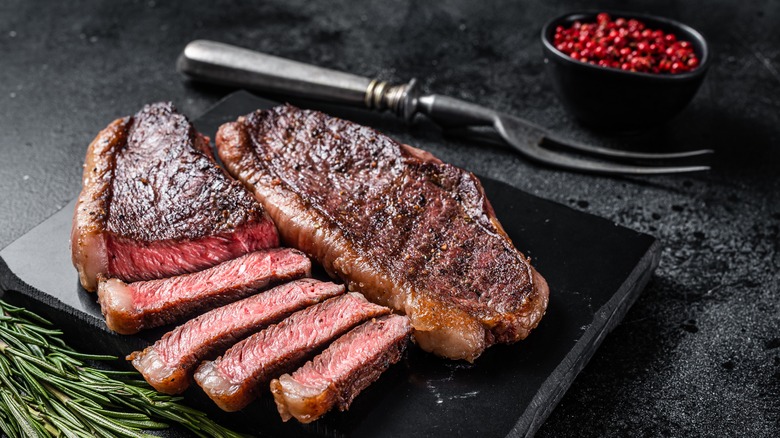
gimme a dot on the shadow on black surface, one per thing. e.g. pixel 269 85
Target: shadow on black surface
pixel 741 143
pixel 636 350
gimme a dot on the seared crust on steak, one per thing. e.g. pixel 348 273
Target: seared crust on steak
pixel 154 203
pixel 394 222
pixel 88 240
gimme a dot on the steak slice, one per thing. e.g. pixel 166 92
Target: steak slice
pixel 394 222
pixel 234 379
pixel 129 308
pixel 343 370
pixel 154 203
pixel 169 363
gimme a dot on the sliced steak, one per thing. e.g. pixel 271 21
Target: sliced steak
pixel 343 370
pixel 169 363
pixel 129 308
pixel 154 203
pixel 394 222
pixel 234 379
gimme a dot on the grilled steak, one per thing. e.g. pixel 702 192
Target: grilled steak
pixel 233 380
pixel 155 204
pixel 129 308
pixel 343 370
pixel 394 222
pixel 169 363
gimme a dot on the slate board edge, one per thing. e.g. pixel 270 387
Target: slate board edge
pixel 552 390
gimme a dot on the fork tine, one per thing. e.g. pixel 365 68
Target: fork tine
pixel 613 153
pixel 518 137
pixel 573 163
pixel 488 133
pixel 556 159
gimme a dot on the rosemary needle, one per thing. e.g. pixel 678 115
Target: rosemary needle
pixel 47 390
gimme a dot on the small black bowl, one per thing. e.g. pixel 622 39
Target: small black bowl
pixel 617 99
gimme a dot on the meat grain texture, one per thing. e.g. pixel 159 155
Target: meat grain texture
pixel 234 379
pixel 168 365
pixel 348 366
pixel 393 222
pixel 130 308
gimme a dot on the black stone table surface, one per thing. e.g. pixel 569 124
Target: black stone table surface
pixel 697 355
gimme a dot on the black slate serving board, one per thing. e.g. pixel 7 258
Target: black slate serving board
pixel 595 270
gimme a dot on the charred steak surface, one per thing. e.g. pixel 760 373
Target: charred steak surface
pixel 167 186
pixel 154 203
pixel 394 222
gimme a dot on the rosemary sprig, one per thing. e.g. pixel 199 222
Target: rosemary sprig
pixel 47 390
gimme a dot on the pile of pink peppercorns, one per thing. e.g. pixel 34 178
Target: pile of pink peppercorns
pixel 626 45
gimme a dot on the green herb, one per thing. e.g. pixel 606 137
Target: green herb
pixel 47 390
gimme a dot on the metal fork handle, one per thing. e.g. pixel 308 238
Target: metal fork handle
pixel 235 66
pixel 230 65
pixel 448 111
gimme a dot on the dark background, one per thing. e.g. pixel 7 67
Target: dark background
pixel 698 354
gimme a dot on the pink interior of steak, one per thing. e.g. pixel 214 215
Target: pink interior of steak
pixel 244 271
pixel 233 321
pixel 169 363
pixel 129 308
pixel 343 370
pixel 295 337
pixel 353 351
pixel 133 260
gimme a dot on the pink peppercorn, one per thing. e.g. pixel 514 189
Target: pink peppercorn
pixel 625 44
